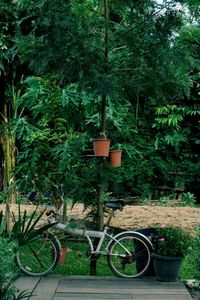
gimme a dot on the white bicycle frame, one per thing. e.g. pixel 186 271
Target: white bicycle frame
pixel 101 235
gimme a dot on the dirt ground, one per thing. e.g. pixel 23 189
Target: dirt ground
pixel 152 216
pixel 138 216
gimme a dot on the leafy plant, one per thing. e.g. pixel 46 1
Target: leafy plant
pixel 189 198
pixel 171 241
pixel 7 274
pixel 196 254
pixel 23 231
pixel 24 226
pixel 153 62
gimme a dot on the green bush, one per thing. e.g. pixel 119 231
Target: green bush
pixel 7 274
pixel 171 241
pixel 196 254
pixel 22 232
pixel 6 261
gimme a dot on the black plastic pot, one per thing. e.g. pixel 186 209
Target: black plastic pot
pixel 166 268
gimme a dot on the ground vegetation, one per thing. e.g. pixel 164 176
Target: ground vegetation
pixel 75 70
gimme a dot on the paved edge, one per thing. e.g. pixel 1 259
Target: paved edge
pixel 54 286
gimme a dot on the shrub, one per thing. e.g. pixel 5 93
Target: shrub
pixel 7 274
pixel 172 241
pixel 196 254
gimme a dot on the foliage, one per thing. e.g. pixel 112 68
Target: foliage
pixel 52 137
pixel 7 273
pixel 10 88
pixel 189 199
pixel 6 259
pixel 196 255
pixel 151 80
pixel 25 227
pixel 52 148
pixel 171 241
pixel 23 231
pixel 7 277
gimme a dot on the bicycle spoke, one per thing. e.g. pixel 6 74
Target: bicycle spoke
pixel 129 256
pixel 36 256
pixel 39 257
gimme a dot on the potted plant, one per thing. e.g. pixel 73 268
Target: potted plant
pixel 63 254
pixel 170 246
pixel 115 155
pixel 101 147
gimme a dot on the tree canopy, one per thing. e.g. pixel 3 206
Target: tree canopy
pixel 64 64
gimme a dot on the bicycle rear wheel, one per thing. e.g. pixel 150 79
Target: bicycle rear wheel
pixel 39 257
pixel 129 255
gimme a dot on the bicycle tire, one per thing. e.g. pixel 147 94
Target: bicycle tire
pixel 128 265
pixel 40 256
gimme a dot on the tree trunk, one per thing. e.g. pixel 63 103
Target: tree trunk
pixel 100 216
pixel 104 96
pixel 100 213
pixel 103 117
pixel 8 146
pixel 8 143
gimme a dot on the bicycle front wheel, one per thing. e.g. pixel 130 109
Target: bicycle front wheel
pixel 129 255
pixel 39 257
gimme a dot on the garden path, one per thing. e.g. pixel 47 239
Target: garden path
pixel 55 287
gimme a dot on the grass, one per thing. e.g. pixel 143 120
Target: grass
pixel 77 263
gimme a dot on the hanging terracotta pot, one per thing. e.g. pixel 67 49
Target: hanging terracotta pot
pixel 62 257
pixel 115 158
pixel 101 147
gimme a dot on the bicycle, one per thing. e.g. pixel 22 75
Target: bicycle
pixel 128 252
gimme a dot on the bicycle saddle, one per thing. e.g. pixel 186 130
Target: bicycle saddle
pixel 114 204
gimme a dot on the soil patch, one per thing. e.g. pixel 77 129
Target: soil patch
pixel 145 216
pixel 136 216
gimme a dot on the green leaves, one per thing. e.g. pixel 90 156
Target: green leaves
pixel 153 62
pixel 23 231
pixel 175 139
pixel 169 116
pixel 24 228
pixel 172 241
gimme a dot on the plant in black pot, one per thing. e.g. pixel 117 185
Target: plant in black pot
pixel 171 244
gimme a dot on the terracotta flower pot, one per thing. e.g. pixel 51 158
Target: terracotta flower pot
pixel 115 158
pixel 62 257
pixel 101 147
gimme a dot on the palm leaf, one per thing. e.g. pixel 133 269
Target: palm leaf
pixel 24 232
